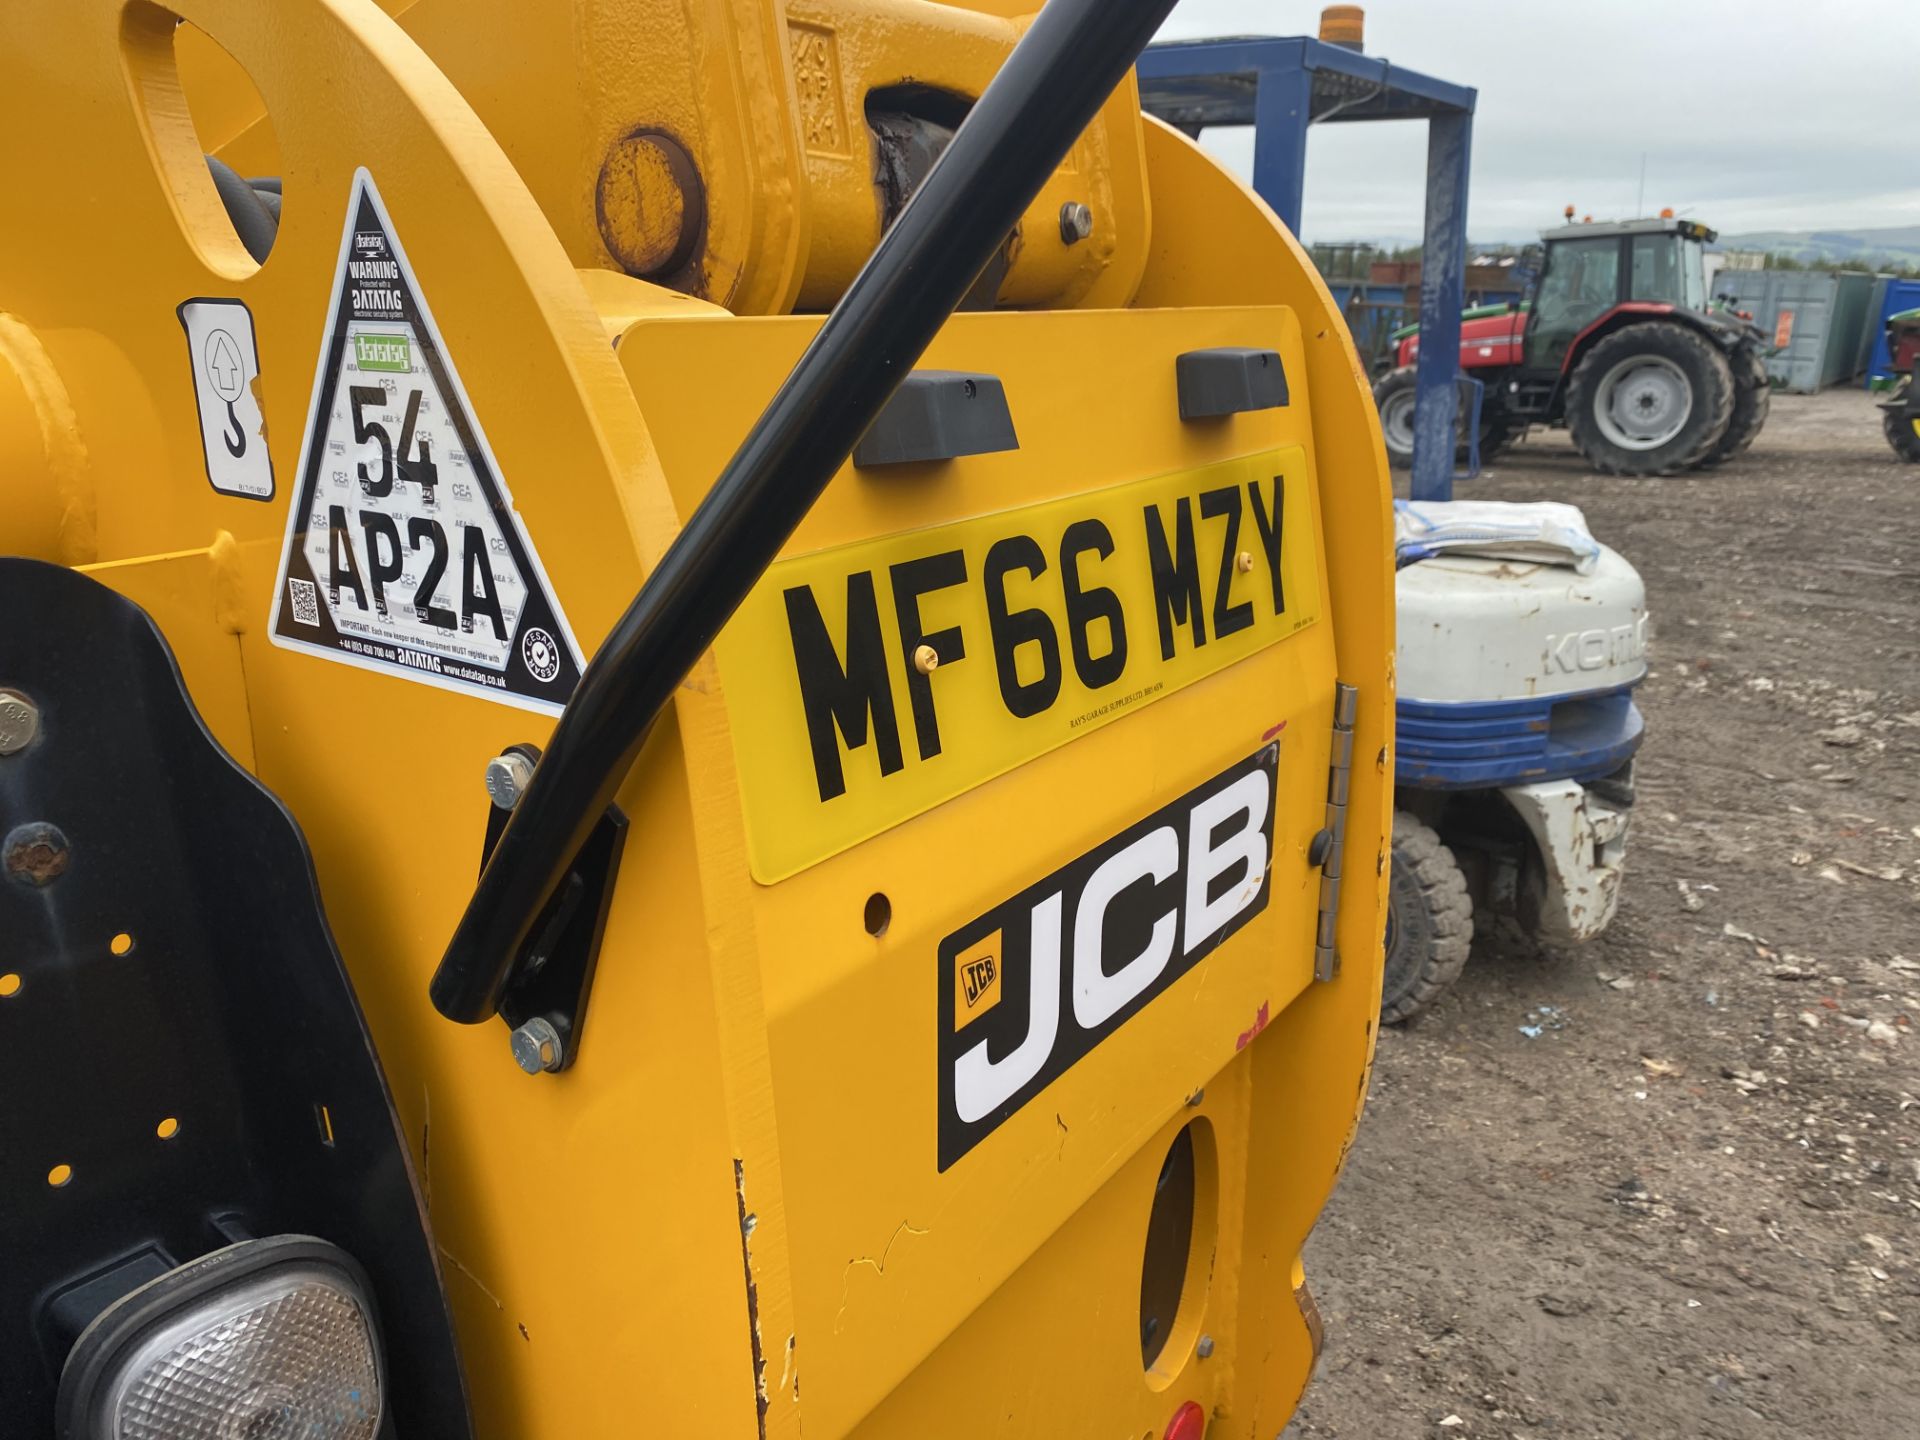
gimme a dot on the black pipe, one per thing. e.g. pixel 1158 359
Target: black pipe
pixel 1051 87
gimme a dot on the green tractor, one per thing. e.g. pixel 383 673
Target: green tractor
pixel 1902 405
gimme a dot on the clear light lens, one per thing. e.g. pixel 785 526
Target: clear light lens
pixel 286 1356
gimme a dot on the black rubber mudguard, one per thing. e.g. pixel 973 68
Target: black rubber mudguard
pixel 180 1048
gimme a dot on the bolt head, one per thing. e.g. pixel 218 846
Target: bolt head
pixel 536 1046
pixel 926 659
pixel 1076 222
pixel 1204 1349
pixel 508 776
pixel 19 722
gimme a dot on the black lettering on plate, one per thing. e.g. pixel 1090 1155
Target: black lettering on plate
pixel 839 700
pixel 1271 527
pixel 1228 619
pixel 343 570
pixel 1176 575
pixel 428 532
pixel 381 534
pixel 478 595
pixel 1091 945
pixel 1014 628
pixel 1088 603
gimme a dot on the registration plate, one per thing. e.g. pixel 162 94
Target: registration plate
pixel 870 682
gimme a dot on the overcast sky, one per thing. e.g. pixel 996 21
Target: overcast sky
pixel 1765 115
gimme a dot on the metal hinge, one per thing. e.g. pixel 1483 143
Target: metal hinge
pixel 1332 838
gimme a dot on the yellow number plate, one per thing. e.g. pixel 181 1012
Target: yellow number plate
pixel 868 683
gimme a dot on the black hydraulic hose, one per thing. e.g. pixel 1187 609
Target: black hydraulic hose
pixel 1051 87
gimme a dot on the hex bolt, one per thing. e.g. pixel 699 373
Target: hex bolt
pixel 507 778
pixel 1076 222
pixel 19 722
pixel 1204 1349
pixel 537 1046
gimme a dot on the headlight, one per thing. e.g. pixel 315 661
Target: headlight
pixel 266 1340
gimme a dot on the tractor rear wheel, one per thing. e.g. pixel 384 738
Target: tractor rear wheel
pixel 1903 433
pixel 1394 393
pixel 1429 921
pixel 1752 398
pixel 1650 399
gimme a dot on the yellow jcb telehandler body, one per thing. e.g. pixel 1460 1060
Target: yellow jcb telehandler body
pixel 984 987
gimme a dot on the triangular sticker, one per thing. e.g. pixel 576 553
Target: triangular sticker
pixel 404 553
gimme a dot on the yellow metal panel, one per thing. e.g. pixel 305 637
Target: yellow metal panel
pixel 851 1018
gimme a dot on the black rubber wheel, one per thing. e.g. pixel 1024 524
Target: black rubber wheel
pixel 1902 436
pixel 1495 436
pixel 1752 399
pixel 1429 921
pixel 1650 399
pixel 1393 395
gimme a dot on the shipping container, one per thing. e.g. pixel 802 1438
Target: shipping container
pixel 1814 321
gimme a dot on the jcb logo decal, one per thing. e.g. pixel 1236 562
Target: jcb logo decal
pixel 1083 951
pixel 872 682
pixel 976 976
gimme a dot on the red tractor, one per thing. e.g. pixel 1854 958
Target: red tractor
pixel 1620 344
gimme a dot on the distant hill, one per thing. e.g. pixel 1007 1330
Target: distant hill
pixel 1899 243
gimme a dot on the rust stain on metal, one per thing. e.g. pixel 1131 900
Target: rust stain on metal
pixel 37 854
pixel 1259 1023
pixel 1310 1312
pixel 747 1222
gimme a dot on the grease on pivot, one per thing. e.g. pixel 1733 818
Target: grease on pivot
pixel 35 853
pixel 651 205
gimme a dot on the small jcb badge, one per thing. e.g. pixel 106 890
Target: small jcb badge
pixel 976 980
pixel 226 374
pixel 404 553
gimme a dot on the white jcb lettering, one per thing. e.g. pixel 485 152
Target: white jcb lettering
pixel 1097 995
pixel 982 1085
pixel 1247 797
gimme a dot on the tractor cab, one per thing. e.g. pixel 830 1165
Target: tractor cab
pixel 1589 269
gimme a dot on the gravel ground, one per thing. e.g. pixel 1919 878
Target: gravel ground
pixel 1691 1206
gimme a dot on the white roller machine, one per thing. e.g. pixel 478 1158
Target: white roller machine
pixel 1521 642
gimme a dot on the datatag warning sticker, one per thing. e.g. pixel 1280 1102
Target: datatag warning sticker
pixel 403 550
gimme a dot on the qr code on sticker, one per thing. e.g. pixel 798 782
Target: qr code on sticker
pixel 306 603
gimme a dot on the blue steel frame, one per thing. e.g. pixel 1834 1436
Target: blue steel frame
pixel 1280 87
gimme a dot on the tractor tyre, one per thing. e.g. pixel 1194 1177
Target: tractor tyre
pixel 1429 921
pixel 1650 399
pixel 1752 398
pixel 1903 433
pixel 1496 434
pixel 1393 395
